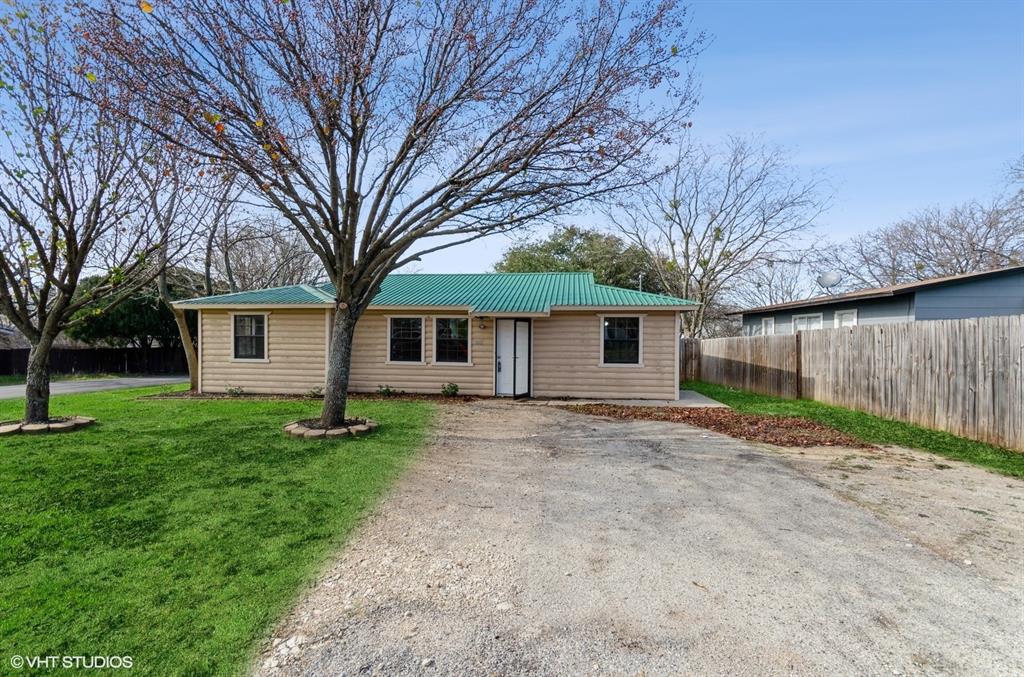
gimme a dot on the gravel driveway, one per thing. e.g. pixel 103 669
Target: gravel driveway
pixel 534 540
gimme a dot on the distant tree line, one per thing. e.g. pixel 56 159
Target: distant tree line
pixel 735 226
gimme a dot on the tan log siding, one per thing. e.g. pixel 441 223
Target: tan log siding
pixel 295 346
pixel 370 368
pixel 565 363
pixel 567 350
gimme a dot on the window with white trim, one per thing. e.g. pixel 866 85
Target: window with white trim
pixel 620 340
pixel 451 339
pixel 405 339
pixel 250 337
pixel 806 322
pixel 846 318
pixel 767 326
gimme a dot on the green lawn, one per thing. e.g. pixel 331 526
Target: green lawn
pixel 178 531
pixel 869 428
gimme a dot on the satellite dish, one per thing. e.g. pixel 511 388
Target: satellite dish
pixel 829 280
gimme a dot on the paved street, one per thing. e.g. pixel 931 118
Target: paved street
pixel 92 385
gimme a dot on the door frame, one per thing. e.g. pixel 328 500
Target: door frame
pixel 529 363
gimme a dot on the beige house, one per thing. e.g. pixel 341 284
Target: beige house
pixel 492 334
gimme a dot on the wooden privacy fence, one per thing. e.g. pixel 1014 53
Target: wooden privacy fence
pixel 961 376
pixel 99 360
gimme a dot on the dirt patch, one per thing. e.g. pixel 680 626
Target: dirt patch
pixel 784 431
pixel 963 513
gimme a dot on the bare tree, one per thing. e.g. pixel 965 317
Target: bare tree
pixel 69 197
pixel 382 130
pixel 720 214
pixel 776 280
pixel 183 198
pixel 934 243
pixel 260 254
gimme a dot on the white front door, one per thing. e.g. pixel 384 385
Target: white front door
pixel 512 358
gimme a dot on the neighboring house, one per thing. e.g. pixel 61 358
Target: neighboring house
pixel 505 334
pixel 10 337
pixel 982 294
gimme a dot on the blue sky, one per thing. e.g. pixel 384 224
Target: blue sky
pixel 902 105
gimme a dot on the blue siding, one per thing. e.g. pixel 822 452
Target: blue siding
pixel 872 311
pixel 1000 295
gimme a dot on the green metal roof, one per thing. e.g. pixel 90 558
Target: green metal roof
pixel 480 293
pixel 299 294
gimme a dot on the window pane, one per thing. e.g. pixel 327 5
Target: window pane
pixel 249 333
pixel 406 339
pixel 621 340
pixel 452 339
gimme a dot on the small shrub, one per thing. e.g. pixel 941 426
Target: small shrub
pixel 450 389
pixel 234 391
pixel 386 391
pixel 315 393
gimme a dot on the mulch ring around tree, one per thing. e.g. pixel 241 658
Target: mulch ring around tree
pixel 60 424
pixel 783 431
pixel 311 428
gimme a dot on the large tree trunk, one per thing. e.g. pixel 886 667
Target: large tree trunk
pixel 191 359
pixel 338 369
pixel 37 382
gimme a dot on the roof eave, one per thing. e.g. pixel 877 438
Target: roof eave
pixel 823 302
pixel 247 306
pixel 627 308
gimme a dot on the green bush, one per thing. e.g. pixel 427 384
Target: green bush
pixel 450 389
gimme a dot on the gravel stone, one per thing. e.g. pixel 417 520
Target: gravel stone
pixel 690 552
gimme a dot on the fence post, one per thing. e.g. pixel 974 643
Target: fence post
pixel 799 368
pixel 699 358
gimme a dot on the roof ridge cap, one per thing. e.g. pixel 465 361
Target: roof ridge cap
pixel 322 295
pixel 236 293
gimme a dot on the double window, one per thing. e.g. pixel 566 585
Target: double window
pixel 451 340
pixel 250 337
pixel 846 318
pixel 405 339
pixel 621 339
pixel 806 322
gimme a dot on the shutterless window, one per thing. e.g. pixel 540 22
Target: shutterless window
pixel 806 322
pixel 406 344
pixel 250 337
pixel 452 339
pixel 621 340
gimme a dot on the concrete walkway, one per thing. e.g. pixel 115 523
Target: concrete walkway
pixel 93 385
pixel 687 399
